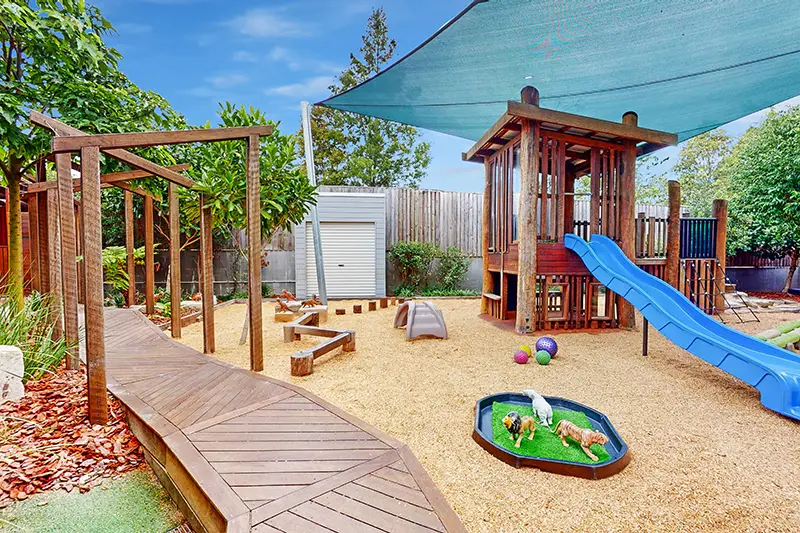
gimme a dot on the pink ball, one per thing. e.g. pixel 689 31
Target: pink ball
pixel 520 357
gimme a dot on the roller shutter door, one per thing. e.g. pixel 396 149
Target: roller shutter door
pixel 348 251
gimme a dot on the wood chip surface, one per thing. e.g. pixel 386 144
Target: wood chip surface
pixel 706 456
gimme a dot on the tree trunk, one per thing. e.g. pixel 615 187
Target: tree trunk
pixel 792 269
pixel 16 271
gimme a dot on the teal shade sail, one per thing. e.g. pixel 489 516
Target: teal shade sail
pixel 684 66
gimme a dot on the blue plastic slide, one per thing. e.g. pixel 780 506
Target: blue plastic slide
pixel 773 371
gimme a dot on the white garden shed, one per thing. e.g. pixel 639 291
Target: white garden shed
pixel 353 230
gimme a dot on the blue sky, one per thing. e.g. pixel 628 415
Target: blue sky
pixel 275 53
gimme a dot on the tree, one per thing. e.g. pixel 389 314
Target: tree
pixel 351 149
pixel 53 59
pixel 219 172
pixel 701 172
pixel 764 210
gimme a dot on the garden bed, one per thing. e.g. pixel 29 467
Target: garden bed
pixel 47 443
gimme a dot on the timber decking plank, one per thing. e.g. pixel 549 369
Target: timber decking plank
pixel 410 512
pixel 394 490
pixel 268 455
pixel 378 517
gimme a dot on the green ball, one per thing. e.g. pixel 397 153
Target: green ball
pixel 542 357
pixel 527 349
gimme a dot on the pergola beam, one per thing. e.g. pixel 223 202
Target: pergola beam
pixel 61 129
pixel 115 141
pixel 113 178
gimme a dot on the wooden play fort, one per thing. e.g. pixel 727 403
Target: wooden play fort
pixel 308 324
pixel 532 158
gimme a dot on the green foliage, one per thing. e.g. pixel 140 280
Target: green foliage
pixel 266 291
pixel 234 295
pixel 53 59
pixel 352 149
pixel 413 261
pixel 764 210
pixel 31 329
pixel 115 270
pixel 702 172
pixel 437 290
pixel 453 267
pixel 286 195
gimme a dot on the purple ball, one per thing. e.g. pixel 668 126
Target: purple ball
pixel 520 357
pixel 548 344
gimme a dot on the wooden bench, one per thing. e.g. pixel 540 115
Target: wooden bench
pixel 493 304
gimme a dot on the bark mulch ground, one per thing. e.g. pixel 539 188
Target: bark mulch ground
pixel 775 296
pixel 47 443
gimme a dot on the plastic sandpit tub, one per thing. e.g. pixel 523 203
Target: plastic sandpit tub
pixel 616 447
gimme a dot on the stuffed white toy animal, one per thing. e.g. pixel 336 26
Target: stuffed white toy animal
pixel 541 408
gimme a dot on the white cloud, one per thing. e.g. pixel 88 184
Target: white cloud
pixel 296 63
pixel 227 80
pixel 244 57
pixel 133 28
pixel 266 23
pixel 310 88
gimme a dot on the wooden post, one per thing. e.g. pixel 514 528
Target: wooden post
pixel 69 253
pixel 149 252
pixel 207 275
pixel 44 243
pixel 174 261
pixel 79 245
pixel 33 230
pixel 93 260
pixel 54 257
pixel 640 227
pixel 130 264
pixel 487 209
pixel 719 211
pixel 627 213
pixel 672 268
pixel 529 192
pixel 254 253
pixel 372 306
pixel 569 203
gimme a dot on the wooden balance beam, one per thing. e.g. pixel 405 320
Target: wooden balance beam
pixel 302 362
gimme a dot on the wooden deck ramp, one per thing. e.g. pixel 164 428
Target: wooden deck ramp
pixel 241 452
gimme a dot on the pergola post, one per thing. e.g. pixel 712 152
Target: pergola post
pixel 33 225
pixel 69 253
pixel 174 261
pixel 93 261
pixel 54 258
pixel 672 269
pixel 254 253
pixel 207 276
pixel 149 251
pixel 529 192
pixel 79 244
pixel 719 211
pixel 487 216
pixel 44 243
pixel 627 214
pixel 129 261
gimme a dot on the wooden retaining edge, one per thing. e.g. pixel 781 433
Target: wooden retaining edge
pixel 207 502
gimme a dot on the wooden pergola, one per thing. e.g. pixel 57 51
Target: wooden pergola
pixel 60 232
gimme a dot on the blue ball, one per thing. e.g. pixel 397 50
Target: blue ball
pixel 548 344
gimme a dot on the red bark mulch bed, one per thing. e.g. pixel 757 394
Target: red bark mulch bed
pixel 47 443
pixel 161 319
pixel 775 296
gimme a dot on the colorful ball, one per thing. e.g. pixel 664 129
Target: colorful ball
pixel 520 357
pixel 543 357
pixel 527 349
pixel 548 344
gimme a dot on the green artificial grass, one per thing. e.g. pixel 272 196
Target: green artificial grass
pixel 134 504
pixel 544 444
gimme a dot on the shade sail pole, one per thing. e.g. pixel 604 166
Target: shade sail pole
pixel 323 291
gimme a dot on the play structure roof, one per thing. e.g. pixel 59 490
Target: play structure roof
pixel 685 66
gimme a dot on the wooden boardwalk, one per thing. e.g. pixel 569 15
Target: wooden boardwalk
pixel 241 452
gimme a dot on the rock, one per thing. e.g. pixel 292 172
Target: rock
pixel 12 368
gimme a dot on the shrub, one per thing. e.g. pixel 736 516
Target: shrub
pixel 437 290
pixel 413 261
pixel 115 269
pixel 266 291
pixel 32 331
pixel 453 267
pixel 405 290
